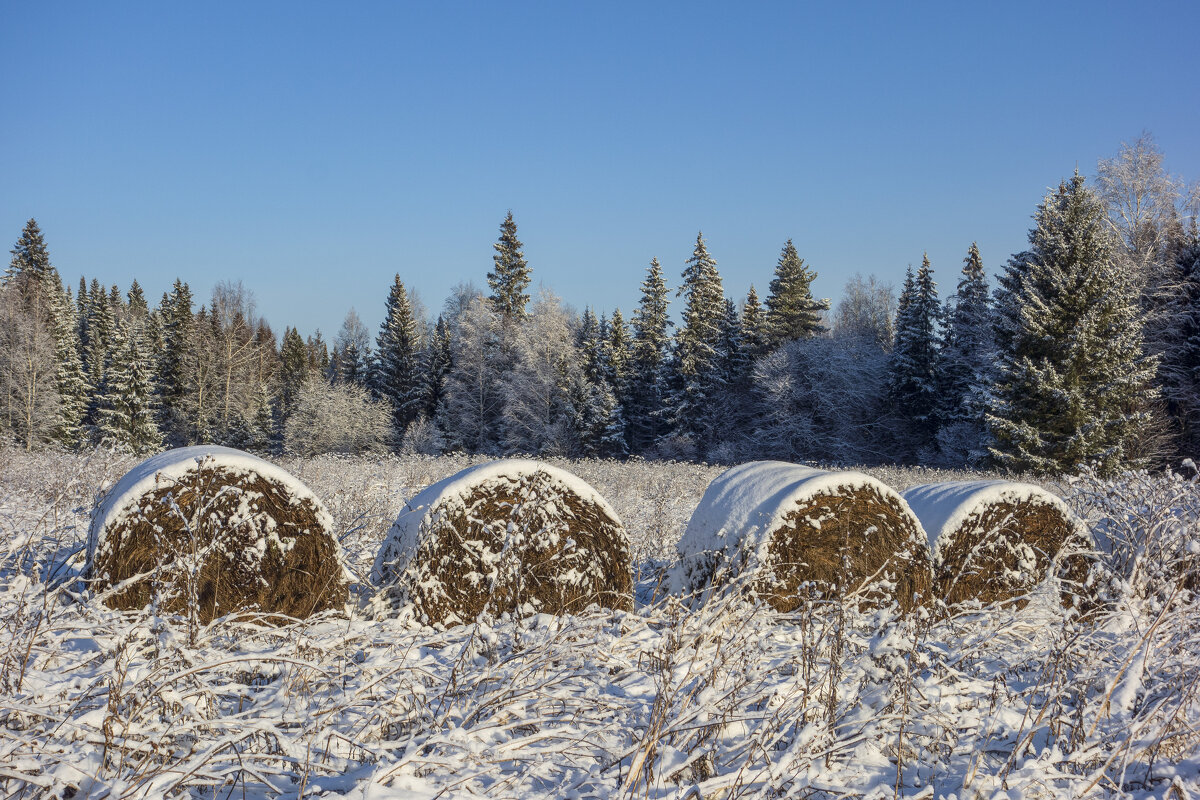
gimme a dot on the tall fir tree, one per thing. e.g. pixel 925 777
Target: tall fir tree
pixel 510 276
pixel 697 373
pixel 619 349
pixel 174 363
pixel 650 348
pixel 730 410
pixel 792 311
pixel 1073 385
pixel 439 362
pixel 293 372
pixel 100 325
pixel 965 367
pixel 756 333
pixel 126 415
pixel 399 373
pixel 914 365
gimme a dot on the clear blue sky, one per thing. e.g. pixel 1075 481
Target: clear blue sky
pixel 313 150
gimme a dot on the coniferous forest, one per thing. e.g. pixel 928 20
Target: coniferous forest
pixel 1082 349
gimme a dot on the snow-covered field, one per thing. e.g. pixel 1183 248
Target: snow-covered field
pixel 727 700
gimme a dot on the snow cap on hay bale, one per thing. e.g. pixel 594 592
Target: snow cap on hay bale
pixel 994 541
pixel 510 535
pixel 252 536
pixel 801 533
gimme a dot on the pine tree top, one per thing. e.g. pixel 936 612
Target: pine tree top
pixel 510 276
pixel 792 311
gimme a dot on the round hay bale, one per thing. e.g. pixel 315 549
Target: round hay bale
pixel 800 534
pixel 994 541
pixel 217 528
pixel 507 536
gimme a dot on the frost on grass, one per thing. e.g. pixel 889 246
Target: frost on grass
pixel 795 532
pixel 994 541
pixel 209 531
pixel 509 536
pixel 730 699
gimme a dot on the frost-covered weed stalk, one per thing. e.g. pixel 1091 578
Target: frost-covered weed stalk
pixel 724 700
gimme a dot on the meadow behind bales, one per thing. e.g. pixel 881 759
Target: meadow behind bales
pixel 730 699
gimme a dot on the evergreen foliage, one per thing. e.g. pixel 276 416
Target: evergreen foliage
pixel 914 365
pixel 756 334
pixel 966 366
pixel 1073 385
pixel 697 375
pixel 399 372
pixel 294 369
pixel 126 416
pixel 174 364
pixel 439 364
pixel 510 275
pixel 792 312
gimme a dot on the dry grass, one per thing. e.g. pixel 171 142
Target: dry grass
pixel 525 544
pixel 1005 549
pixel 199 541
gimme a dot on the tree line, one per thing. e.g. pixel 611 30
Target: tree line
pixel 1087 350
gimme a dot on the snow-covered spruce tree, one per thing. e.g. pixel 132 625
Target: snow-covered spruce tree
pixel 100 323
pixel 293 371
pixel 965 367
pixel 619 353
pixel 697 370
pixel 352 351
pixel 173 364
pixel 644 424
pixel 731 408
pixel 592 397
pixel 399 372
pixel 510 275
pixel 69 378
pixel 792 312
pixel 914 364
pixel 470 413
pixel 127 413
pixel 1072 383
pixel 438 362
pixel 756 334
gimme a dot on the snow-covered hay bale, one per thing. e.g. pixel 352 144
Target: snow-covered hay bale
pixel 994 541
pixel 507 536
pixel 218 530
pixel 800 534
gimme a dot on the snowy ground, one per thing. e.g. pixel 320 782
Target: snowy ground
pixel 728 700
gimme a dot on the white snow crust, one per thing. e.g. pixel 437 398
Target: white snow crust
pixel 447 496
pixel 745 504
pixel 174 464
pixel 944 507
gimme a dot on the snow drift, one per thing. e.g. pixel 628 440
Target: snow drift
pixel 211 530
pixel 507 536
pixel 801 533
pixel 994 541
